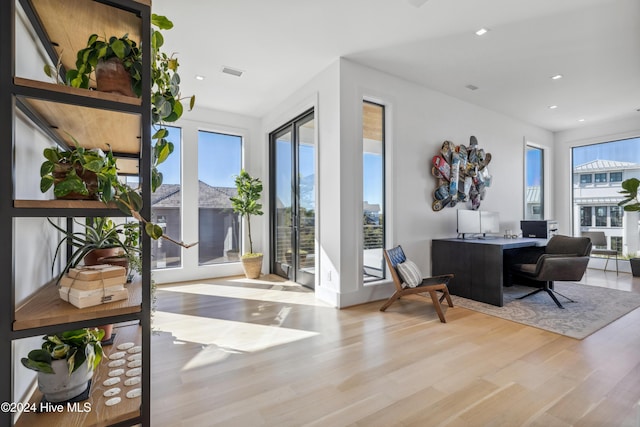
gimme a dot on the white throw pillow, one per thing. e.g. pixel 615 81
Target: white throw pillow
pixel 409 273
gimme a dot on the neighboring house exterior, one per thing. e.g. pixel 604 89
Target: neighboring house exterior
pixel 596 187
pixel 534 207
pixel 218 225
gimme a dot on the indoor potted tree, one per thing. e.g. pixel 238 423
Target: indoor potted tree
pixel 246 203
pixel 66 362
pixel 631 204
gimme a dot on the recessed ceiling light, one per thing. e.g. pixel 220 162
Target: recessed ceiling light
pixel 553 107
pixel 232 71
pixel 482 31
pixel 581 120
pixel 557 77
pixel 199 77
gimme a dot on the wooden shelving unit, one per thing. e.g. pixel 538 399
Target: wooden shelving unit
pixel 99 414
pixel 95 120
pixel 45 308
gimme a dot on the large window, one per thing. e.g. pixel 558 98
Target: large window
pixel 373 190
pixel 219 160
pixel 165 207
pixel 534 194
pixel 606 164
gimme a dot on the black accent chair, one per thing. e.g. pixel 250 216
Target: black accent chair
pixel 564 259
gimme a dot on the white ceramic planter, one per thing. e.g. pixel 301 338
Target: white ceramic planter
pixel 61 386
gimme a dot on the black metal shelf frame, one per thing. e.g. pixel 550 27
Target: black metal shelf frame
pixel 9 97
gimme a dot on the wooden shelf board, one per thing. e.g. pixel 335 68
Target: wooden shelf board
pixel 69 24
pixel 91 127
pixel 45 308
pixel 62 204
pixel 94 94
pixel 100 414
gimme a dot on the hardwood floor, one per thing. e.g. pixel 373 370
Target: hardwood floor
pixel 238 352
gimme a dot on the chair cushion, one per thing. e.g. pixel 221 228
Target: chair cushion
pixel 409 273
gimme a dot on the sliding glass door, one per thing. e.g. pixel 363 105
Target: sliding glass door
pixel 292 168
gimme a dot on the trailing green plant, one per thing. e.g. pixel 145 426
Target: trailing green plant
pixel 630 193
pixel 65 170
pixel 76 347
pixel 102 49
pixel 246 202
pixel 97 233
pixel 165 81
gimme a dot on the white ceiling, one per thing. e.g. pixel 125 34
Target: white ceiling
pixel 282 44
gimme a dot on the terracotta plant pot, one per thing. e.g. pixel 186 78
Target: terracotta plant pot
pixel 112 77
pixel 108 331
pixel 61 386
pixel 93 257
pixel 90 179
pixel 252 267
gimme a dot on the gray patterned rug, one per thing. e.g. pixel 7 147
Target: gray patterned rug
pixel 595 307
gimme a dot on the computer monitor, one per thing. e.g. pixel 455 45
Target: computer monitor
pixel 489 222
pixel 468 222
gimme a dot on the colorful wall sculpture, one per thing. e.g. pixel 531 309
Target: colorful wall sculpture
pixel 462 174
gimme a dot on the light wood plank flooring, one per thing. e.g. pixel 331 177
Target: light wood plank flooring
pixel 237 352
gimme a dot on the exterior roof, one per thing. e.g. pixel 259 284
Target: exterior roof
pixel 598 165
pixel 533 194
pixel 169 196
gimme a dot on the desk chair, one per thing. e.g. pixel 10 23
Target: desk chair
pixel 564 259
pixel 599 239
pixel 394 258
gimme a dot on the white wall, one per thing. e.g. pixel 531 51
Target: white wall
pixel 418 121
pixel 584 135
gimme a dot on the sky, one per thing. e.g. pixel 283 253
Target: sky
pixel 625 150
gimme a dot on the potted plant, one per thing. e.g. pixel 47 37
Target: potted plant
pixel 99 239
pixel 78 173
pixel 246 203
pixel 66 362
pixel 165 81
pixel 631 204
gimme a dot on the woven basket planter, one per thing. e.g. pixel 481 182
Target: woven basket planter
pixel 252 266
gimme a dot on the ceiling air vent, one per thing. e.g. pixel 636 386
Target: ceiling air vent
pixel 232 71
pixel 471 87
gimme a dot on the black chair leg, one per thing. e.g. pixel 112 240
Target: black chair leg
pixel 548 288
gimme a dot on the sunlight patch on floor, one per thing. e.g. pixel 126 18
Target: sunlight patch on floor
pixel 228 336
pixel 277 293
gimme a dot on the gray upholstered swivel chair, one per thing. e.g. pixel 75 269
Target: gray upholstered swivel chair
pixel 564 258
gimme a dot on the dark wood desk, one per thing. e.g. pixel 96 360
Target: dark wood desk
pixel 478 264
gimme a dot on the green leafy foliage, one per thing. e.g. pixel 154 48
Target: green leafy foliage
pixel 246 203
pixel 76 346
pixel 630 193
pixel 97 233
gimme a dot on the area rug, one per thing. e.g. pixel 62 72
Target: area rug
pixel 595 307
